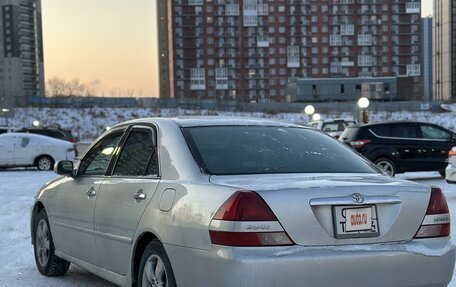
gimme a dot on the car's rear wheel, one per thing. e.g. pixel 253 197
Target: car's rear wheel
pixel 46 261
pixel 386 165
pixel 44 163
pixel 155 268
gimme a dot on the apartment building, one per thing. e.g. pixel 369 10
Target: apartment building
pixel 21 52
pixel 444 49
pixel 248 50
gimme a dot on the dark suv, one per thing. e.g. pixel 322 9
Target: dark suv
pixel 51 132
pixel 400 146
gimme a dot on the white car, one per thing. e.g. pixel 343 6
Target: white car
pixel 334 127
pixel 20 149
pixel 451 168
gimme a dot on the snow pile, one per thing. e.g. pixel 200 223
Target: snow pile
pixel 88 123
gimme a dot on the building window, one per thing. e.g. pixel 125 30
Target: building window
pixel 232 9
pixel 364 40
pixel 413 70
pixel 364 60
pixel 347 29
pixel 197 79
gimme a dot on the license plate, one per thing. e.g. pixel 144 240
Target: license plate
pixel 355 221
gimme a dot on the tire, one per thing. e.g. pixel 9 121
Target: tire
pixel 442 173
pixel 45 162
pixel 45 259
pixel 155 260
pixel 386 165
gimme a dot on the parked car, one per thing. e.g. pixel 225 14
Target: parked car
pixel 51 132
pixel 4 129
pixel 451 168
pixel 332 127
pixel 402 146
pixel 22 150
pixel 234 202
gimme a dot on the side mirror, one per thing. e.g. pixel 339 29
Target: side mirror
pixel 64 167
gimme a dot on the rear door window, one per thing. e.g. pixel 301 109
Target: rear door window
pixel 138 156
pixel 404 131
pixel 381 130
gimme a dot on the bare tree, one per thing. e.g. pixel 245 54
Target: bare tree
pixel 55 87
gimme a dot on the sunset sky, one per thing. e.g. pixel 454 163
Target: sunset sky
pixel 108 44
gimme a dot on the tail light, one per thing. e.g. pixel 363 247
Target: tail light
pixel 436 223
pixel 452 153
pixel 246 220
pixel 359 143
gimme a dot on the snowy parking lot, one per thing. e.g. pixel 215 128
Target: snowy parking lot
pixel 17 189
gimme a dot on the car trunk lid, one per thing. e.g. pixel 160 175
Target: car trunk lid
pixel 317 209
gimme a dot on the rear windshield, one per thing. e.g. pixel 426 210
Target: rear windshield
pixel 229 150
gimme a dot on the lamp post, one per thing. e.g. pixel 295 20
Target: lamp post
pixel 309 110
pixel 363 104
pixel 6 111
pixel 316 117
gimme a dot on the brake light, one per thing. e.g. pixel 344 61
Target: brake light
pixel 246 220
pixel 452 153
pixel 359 143
pixel 436 223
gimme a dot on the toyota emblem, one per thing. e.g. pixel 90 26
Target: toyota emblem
pixel 358 198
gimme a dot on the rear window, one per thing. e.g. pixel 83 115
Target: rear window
pixel 229 150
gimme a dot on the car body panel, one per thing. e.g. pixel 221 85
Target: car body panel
pixel 393 265
pixel 183 200
pixel 116 217
pixel 72 217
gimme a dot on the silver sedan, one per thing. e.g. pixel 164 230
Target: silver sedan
pixel 237 202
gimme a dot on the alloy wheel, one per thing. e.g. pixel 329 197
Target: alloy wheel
pixel 42 242
pixel 154 274
pixel 386 167
pixel 44 164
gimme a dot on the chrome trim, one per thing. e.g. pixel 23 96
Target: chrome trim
pixel 77 228
pixel 245 226
pixel 414 139
pixel 348 200
pixel 113 237
pixel 436 219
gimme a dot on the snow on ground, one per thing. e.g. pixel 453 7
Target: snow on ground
pixel 88 123
pixel 18 188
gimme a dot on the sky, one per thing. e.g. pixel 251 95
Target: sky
pixel 110 45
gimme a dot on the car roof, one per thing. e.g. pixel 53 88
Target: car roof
pixel 199 121
pixel 393 122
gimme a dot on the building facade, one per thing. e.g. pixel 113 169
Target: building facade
pixel 444 50
pixel 248 50
pixel 21 52
pixel 426 46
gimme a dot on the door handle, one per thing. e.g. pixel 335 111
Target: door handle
pixel 91 192
pixel 139 195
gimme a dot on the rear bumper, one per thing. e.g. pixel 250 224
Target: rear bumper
pixel 427 262
pixel 450 173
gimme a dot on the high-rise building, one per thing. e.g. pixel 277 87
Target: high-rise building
pixel 21 52
pixel 444 50
pixel 427 57
pixel 248 50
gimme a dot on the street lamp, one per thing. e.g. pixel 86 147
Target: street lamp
pixel 316 117
pixel 363 104
pixel 309 110
pixel 36 123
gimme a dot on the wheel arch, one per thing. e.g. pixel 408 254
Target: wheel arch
pixel 141 243
pixel 35 211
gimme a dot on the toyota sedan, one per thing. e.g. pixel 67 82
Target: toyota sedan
pixel 238 202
